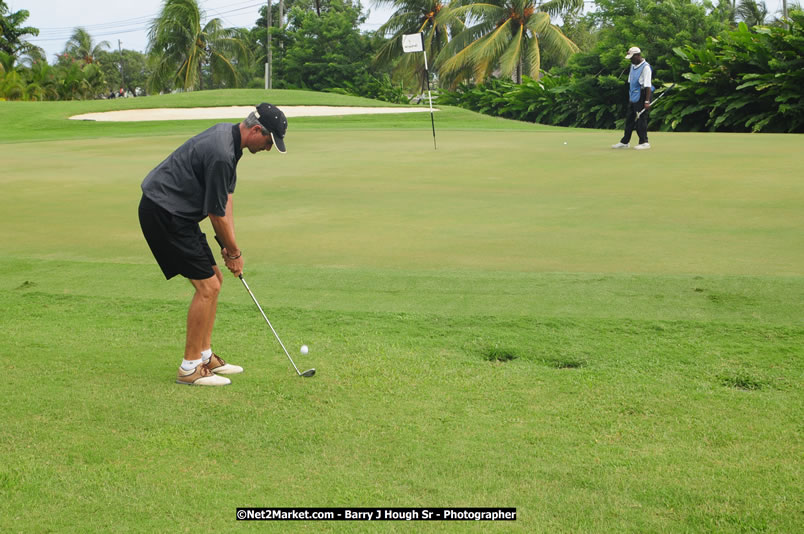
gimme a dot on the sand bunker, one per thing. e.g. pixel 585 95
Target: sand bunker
pixel 231 112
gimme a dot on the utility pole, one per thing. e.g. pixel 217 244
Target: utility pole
pixel 120 48
pixel 268 51
pixel 784 14
pixel 282 21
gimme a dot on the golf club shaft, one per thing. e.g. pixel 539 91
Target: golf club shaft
pixel 657 99
pixel 263 315
pixel 269 323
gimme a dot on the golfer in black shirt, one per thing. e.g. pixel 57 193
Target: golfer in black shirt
pixel 195 182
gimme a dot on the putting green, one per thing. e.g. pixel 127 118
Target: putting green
pixel 500 201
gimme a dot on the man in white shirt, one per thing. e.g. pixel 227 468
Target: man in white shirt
pixel 640 91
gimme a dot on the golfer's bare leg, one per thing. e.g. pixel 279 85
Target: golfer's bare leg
pixel 207 341
pixel 201 316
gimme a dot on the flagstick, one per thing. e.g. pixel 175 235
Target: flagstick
pixel 432 120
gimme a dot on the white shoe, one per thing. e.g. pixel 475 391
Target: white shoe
pixel 201 376
pixel 220 367
pixel 643 146
pixel 620 145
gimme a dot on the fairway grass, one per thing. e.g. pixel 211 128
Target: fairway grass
pixel 609 341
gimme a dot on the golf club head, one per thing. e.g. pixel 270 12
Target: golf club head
pixel 308 373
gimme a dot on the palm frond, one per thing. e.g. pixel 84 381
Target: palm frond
pixel 556 8
pixel 459 52
pixel 506 34
pixel 509 60
pixel 466 37
pixel 493 44
pixel 479 11
pixel 556 43
pixel 533 59
pixel 538 22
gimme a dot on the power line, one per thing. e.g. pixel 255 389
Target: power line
pixel 103 25
pixel 148 18
pixel 63 38
pixel 136 24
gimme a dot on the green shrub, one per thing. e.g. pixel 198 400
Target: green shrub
pixel 744 81
pixel 588 102
pixel 377 87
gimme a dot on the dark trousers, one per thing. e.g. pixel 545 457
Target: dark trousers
pixel 631 122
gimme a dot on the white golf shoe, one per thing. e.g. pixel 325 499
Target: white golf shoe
pixel 220 367
pixel 643 146
pixel 201 376
pixel 620 145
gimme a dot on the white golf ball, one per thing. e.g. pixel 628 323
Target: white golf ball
pixel 304 349
pixel 565 142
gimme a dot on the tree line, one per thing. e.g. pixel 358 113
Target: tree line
pixel 529 59
pixel 735 70
pixel 316 44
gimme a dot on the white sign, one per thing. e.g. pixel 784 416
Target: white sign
pixel 413 42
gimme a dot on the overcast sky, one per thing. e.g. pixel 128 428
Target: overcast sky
pixel 127 20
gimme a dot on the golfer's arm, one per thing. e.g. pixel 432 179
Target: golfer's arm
pixel 224 228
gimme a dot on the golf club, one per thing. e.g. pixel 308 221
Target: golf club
pixel 308 373
pixel 657 99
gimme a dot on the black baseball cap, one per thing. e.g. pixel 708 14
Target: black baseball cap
pixel 273 120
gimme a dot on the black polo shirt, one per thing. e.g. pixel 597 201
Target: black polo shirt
pixel 197 178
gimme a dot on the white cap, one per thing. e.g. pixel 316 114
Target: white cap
pixel 633 50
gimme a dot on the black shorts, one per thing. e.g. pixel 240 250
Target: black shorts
pixel 178 244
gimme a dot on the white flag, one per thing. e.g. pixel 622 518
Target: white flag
pixel 413 42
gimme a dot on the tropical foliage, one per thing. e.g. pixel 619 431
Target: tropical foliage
pixel 71 78
pixel 82 47
pixel 183 51
pixel 743 81
pixel 557 100
pixel 657 26
pixel 377 87
pixel 324 52
pixel 127 69
pixel 81 81
pixel 590 90
pixel 258 37
pixel 504 57
pixel 12 31
pixel 40 79
pixel 415 16
pixel 505 35
pixel 751 12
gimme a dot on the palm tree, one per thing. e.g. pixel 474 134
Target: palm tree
pixel 726 11
pixel 18 82
pixel 7 62
pixel 11 84
pixel 183 51
pixel 509 35
pixel 752 12
pixel 415 16
pixel 40 76
pixel 42 82
pixel 12 31
pixel 82 47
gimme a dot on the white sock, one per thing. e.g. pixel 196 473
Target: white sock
pixel 206 354
pixel 189 365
